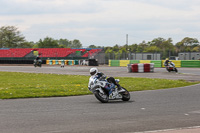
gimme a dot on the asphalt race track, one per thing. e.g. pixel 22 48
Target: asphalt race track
pixel 146 111
pixel 191 74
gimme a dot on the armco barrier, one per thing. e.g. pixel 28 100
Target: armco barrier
pixel 66 62
pixel 176 62
pixel 163 61
pixel 190 63
pixel 145 61
pixel 157 63
pixel 47 61
pixel 124 62
pixel 134 61
pixel 50 62
pixel 56 62
pixel 114 63
pixel 70 62
pixel 59 62
pixel 53 62
pixel 76 62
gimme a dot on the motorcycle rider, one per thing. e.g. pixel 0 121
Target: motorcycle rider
pixel 93 72
pixel 37 58
pixel 166 63
pixel 171 63
pixel 95 75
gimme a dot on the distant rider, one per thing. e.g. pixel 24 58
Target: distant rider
pixel 166 63
pixel 37 58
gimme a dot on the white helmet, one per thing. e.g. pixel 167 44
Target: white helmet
pixel 93 71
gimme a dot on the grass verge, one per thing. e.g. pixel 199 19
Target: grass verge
pixel 32 85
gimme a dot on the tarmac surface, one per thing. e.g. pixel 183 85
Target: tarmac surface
pixel 175 110
pixel 189 74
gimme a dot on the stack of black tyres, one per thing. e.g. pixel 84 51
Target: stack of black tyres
pixel 93 62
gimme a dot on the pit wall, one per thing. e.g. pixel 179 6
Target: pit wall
pixel 157 63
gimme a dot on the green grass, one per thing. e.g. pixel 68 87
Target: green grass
pixel 31 85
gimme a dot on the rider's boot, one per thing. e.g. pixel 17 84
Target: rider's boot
pixel 118 86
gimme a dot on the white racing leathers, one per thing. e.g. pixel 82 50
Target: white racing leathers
pixel 91 82
pixel 95 83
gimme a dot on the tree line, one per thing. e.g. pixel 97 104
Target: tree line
pixel 11 37
pixel 158 45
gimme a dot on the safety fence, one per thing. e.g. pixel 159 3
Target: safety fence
pixel 157 63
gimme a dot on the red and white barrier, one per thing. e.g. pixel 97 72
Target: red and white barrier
pixel 141 67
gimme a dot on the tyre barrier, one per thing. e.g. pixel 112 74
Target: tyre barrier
pixel 89 62
pixel 93 62
pixel 140 67
pixel 62 62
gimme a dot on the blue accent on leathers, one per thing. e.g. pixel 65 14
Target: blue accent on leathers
pixel 110 87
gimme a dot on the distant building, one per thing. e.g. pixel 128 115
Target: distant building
pixel 145 56
pixel 189 56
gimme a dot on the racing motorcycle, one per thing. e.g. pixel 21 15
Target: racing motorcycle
pixel 37 63
pixel 102 94
pixel 171 67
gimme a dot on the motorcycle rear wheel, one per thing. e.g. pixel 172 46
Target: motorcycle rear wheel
pixel 125 95
pixel 101 97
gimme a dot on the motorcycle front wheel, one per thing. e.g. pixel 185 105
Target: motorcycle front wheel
pixel 125 95
pixel 101 97
pixel 176 70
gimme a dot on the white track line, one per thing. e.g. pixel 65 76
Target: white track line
pixel 165 130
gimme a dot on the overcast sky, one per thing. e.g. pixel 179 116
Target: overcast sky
pixel 103 22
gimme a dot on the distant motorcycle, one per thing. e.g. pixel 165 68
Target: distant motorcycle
pixel 171 67
pixel 37 63
pixel 102 94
